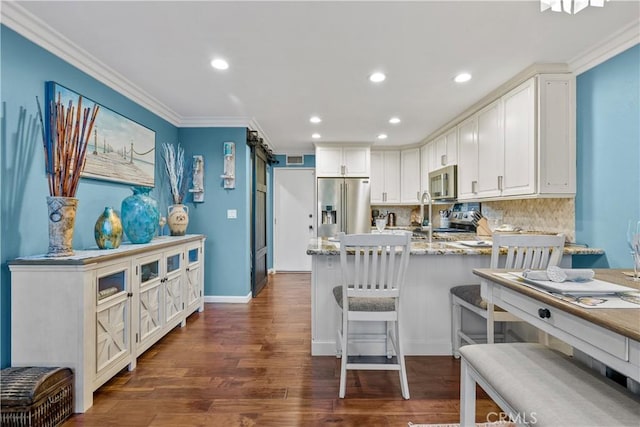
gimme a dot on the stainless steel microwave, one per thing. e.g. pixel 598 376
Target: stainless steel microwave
pixel 443 183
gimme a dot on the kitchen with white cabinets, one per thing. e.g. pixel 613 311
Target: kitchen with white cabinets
pixel 515 157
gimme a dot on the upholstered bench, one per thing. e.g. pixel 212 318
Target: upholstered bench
pixel 539 386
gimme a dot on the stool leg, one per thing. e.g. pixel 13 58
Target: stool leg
pixel 456 322
pixel 467 397
pixel 345 356
pixel 404 384
pixel 388 337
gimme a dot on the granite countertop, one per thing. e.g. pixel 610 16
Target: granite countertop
pixel 445 245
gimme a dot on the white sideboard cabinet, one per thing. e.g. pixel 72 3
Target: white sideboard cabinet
pixel 98 310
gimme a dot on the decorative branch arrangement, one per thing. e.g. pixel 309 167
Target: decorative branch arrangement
pixel 174 165
pixel 65 143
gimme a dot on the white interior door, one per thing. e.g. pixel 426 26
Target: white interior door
pixel 294 197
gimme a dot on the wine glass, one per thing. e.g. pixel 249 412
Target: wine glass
pixel 633 239
pixel 380 224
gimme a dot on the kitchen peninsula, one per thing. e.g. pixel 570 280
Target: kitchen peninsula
pixel 434 268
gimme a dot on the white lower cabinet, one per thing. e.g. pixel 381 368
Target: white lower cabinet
pixel 195 272
pixel 98 310
pixel 174 280
pixel 112 320
pixel 150 280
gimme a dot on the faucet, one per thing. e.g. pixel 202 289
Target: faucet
pixel 426 195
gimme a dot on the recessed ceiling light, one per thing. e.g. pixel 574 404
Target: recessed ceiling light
pixel 394 120
pixel 377 77
pixel 315 136
pixel 315 119
pixel 462 77
pixel 382 136
pixel 219 64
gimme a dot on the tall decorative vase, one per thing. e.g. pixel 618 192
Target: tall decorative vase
pixel 62 217
pixel 178 219
pixel 108 230
pixel 140 215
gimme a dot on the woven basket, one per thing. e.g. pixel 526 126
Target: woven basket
pixel 35 396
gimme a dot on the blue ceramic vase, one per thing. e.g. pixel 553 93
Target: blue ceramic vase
pixel 140 215
pixel 108 230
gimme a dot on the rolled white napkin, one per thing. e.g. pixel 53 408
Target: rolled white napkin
pixel 557 274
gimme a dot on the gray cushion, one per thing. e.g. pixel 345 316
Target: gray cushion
pixel 535 379
pixel 365 304
pixel 471 294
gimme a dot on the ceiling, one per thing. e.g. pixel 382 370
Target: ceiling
pixel 291 60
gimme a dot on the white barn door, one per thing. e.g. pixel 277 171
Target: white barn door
pixel 294 218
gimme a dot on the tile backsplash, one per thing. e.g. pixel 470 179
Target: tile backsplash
pixel 547 215
pixel 403 213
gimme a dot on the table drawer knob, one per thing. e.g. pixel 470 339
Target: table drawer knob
pixel 544 313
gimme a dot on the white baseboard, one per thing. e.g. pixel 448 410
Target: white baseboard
pixel 228 299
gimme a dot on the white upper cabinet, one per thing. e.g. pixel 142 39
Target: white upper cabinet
pixel 444 150
pixel 468 158
pixel 490 150
pixel 556 134
pixel 519 140
pixel 343 161
pixel 385 177
pixel 410 178
pixel 522 144
pixel 424 168
pixel 452 148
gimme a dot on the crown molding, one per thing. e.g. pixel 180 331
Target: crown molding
pixel 39 32
pixel 620 41
pixel 205 121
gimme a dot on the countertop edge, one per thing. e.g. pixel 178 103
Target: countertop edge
pixel 93 255
pixel 319 246
pixel 601 317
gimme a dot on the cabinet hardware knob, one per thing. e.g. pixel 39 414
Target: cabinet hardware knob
pixel 129 294
pixel 544 313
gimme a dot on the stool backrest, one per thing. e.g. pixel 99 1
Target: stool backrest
pixel 536 252
pixel 379 263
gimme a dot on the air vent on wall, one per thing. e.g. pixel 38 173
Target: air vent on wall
pixel 295 160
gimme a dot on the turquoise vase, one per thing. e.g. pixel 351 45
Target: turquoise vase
pixel 140 215
pixel 108 230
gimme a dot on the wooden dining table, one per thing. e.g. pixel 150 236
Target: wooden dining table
pixel 609 335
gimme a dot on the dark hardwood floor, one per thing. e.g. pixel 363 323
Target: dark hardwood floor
pixel 251 365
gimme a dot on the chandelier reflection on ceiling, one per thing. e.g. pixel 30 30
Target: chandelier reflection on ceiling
pixel 569 6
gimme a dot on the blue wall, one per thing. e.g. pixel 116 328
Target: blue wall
pixel 25 68
pixel 227 269
pixel 608 156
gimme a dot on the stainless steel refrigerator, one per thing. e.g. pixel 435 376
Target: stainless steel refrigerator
pixel 343 205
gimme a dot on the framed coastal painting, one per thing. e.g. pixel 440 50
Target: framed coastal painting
pixel 119 150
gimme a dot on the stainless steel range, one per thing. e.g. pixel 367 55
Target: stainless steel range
pixel 463 218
